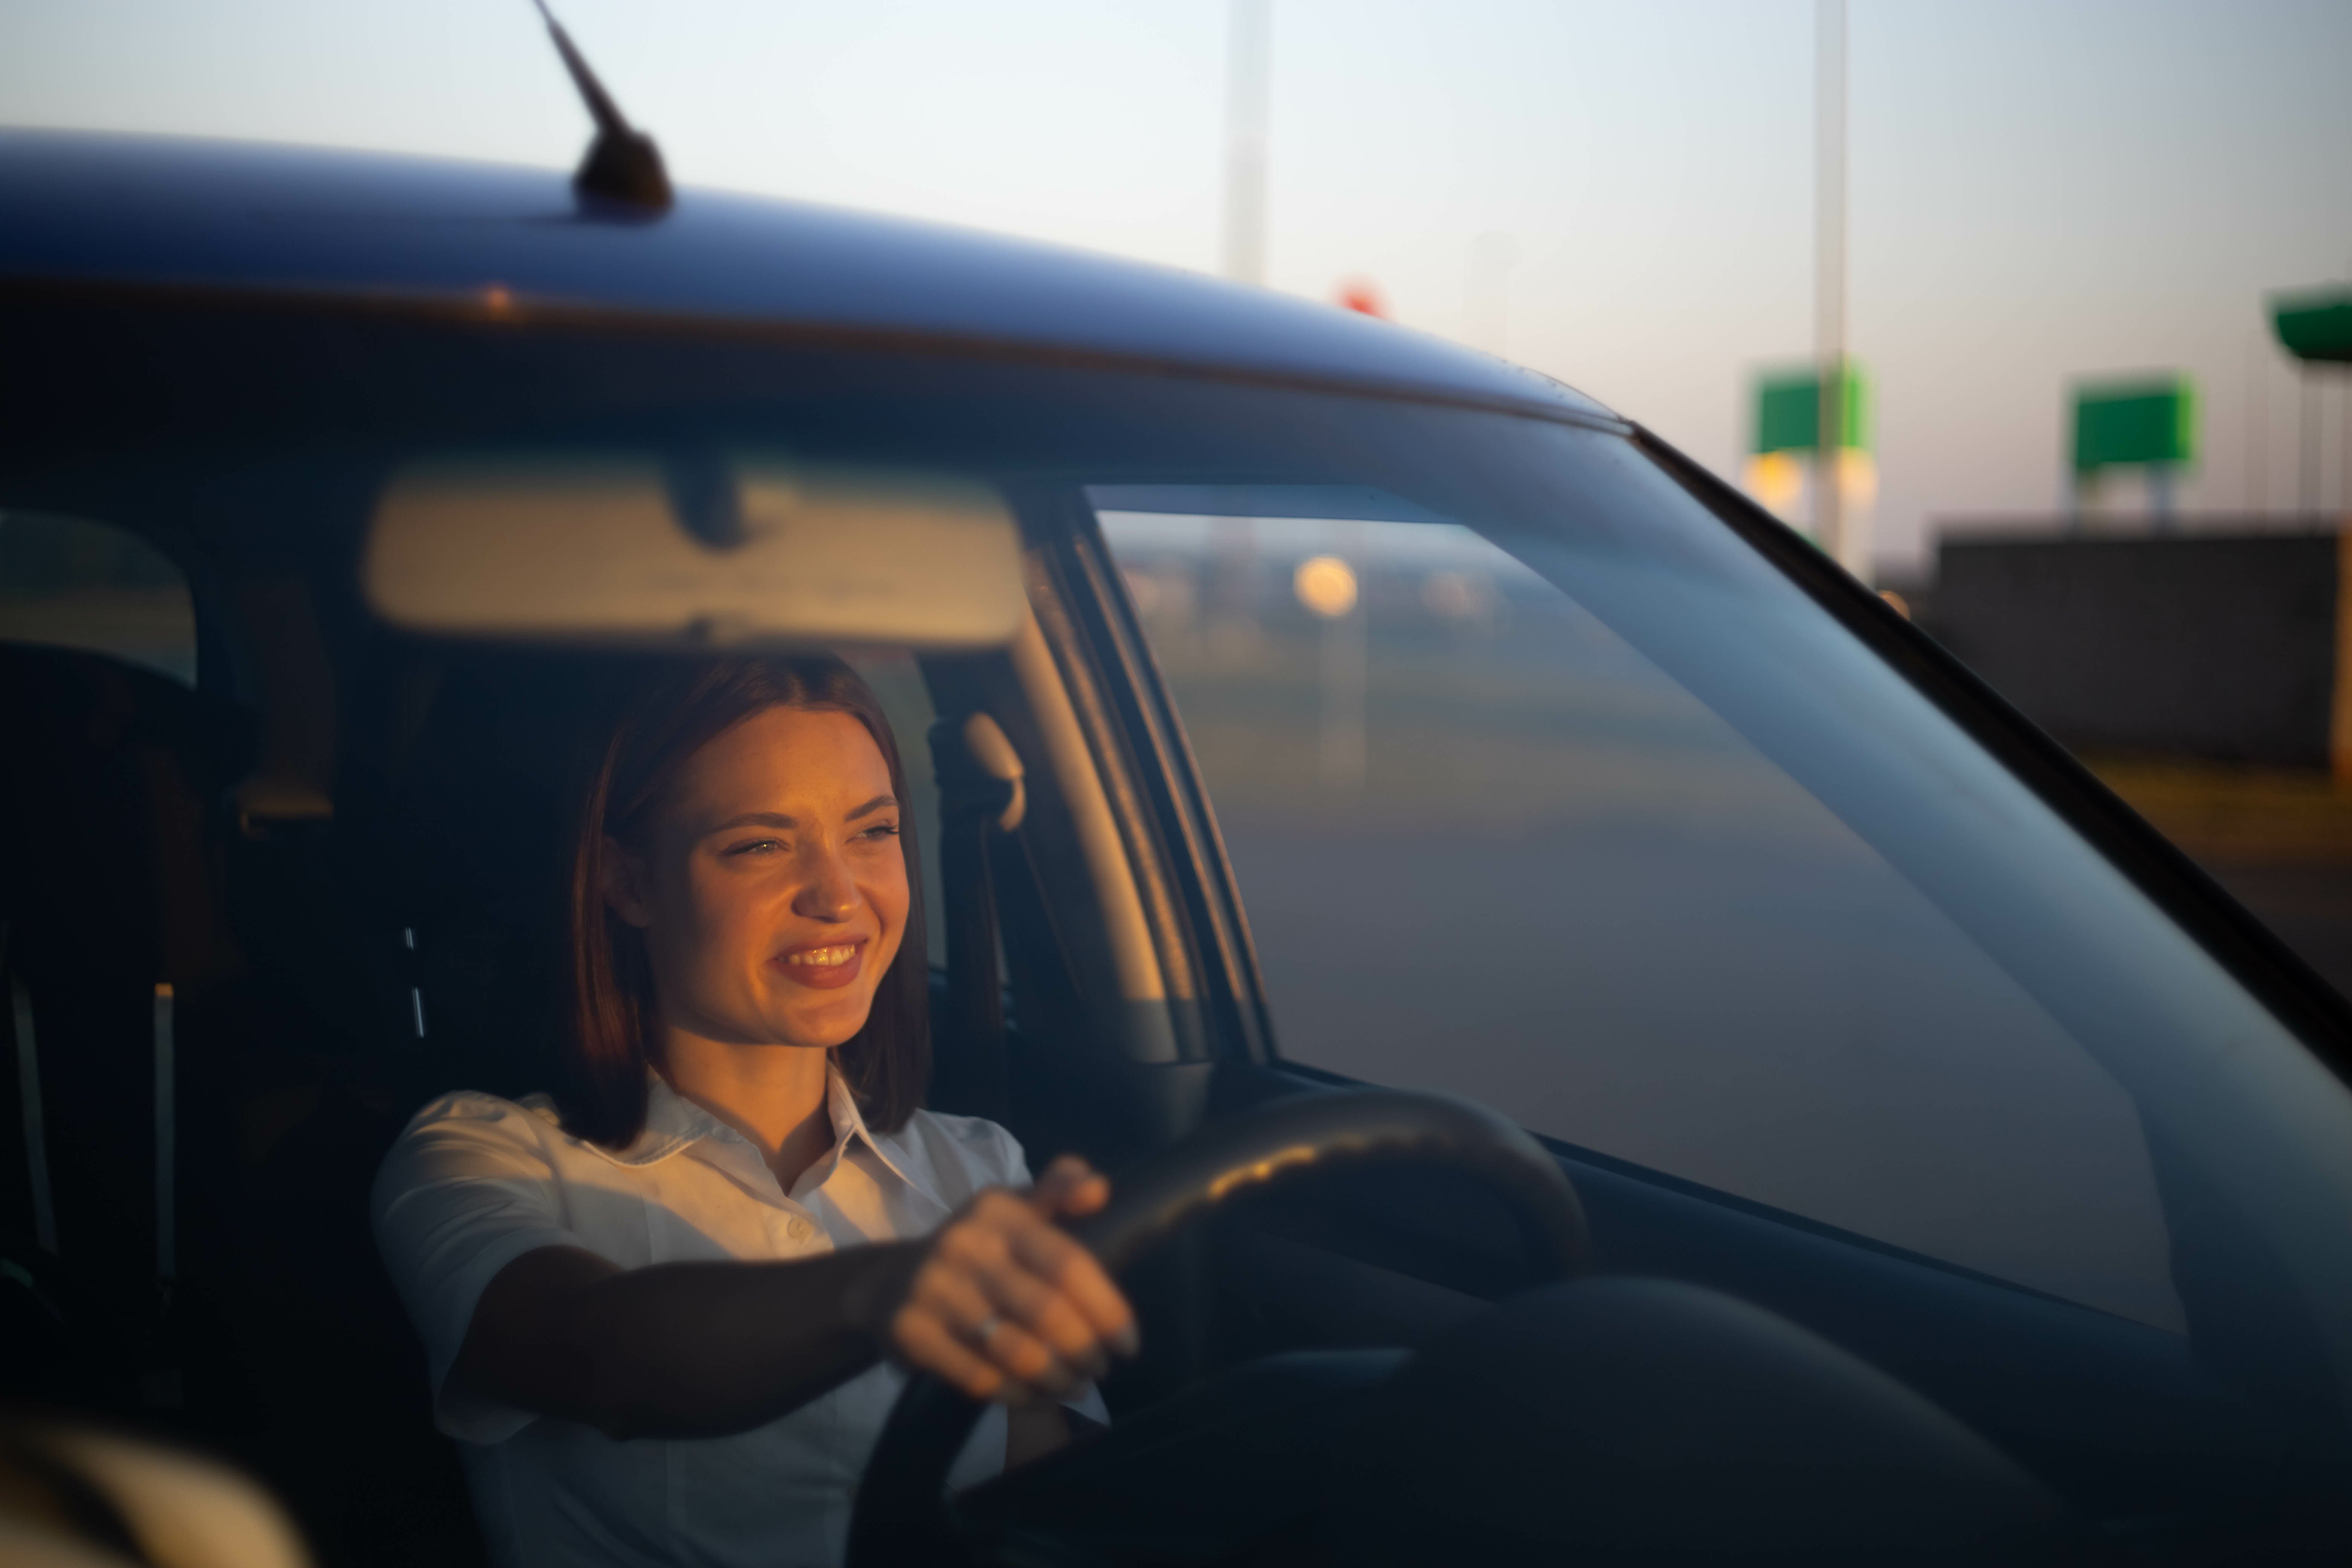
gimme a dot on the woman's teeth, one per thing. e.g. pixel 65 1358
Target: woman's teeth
pixel 822 957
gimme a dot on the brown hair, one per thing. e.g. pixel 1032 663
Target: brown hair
pixel 616 1032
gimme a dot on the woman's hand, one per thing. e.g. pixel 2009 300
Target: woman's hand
pixel 1006 1305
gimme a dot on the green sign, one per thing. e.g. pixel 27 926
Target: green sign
pixel 1789 411
pixel 2152 421
pixel 2316 325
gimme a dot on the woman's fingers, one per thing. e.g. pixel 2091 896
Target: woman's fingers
pixel 951 1322
pixel 998 1249
pixel 1008 1306
pixel 1072 1279
pixel 971 1285
pixel 1048 1316
pixel 1071 1188
pixel 1076 1276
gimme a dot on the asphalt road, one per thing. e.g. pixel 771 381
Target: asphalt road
pixel 1790 1021
pixel 1776 1015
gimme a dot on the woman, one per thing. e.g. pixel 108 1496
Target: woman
pixel 654 1304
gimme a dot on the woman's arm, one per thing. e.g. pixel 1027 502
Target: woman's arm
pixel 1000 1301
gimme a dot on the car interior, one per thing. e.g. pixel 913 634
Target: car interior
pixel 269 890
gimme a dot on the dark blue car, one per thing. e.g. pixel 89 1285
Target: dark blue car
pixel 1822 1121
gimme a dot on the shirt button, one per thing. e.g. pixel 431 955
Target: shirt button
pixel 797 1228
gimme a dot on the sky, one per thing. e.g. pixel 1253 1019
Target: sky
pixel 2038 192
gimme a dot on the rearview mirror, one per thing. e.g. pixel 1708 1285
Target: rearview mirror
pixel 715 552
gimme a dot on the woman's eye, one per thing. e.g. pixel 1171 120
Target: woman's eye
pixel 752 847
pixel 881 830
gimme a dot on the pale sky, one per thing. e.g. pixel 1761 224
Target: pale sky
pixel 2039 192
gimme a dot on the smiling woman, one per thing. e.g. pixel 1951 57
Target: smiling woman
pixel 757 804
pixel 653 1303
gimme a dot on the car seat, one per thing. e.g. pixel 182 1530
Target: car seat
pixel 148 929
pixel 110 896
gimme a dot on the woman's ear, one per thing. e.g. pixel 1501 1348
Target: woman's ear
pixel 625 883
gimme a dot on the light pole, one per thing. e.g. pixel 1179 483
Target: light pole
pixel 1829 278
pixel 1250 25
pixel 2306 464
pixel 1492 256
pixel 2258 446
pixel 1327 585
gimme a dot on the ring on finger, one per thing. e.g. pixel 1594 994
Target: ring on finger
pixel 987 1329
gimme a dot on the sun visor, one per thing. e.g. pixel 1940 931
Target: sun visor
pixel 706 552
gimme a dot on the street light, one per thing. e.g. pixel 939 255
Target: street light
pixel 1327 586
pixel 1830 528
pixel 1248 85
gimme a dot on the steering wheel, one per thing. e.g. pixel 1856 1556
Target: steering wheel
pixel 900 1514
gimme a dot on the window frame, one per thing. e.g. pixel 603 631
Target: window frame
pixel 1189 894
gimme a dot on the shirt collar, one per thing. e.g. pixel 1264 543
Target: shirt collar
pixel 674 1122
pixel 849 1125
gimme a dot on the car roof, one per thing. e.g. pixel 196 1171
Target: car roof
pixel 184 213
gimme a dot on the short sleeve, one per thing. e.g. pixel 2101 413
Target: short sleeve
pixel 465 1190
pixel 1003 1154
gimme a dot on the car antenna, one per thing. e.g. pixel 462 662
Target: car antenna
pixel 622 164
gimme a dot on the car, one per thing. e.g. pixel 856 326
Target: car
pixel 1781 1104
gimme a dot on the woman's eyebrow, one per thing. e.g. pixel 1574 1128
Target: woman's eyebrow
pixel 778 820
pixel 757 819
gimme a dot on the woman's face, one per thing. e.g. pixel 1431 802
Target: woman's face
pixel 770 886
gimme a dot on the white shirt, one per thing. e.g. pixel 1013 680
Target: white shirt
pixel 475 1182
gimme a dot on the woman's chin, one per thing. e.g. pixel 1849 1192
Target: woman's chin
pixel 820 1027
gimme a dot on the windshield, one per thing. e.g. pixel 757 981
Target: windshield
pixel 1565 799
pixel 1580 806
pixel 1546 787
pixel 1597 902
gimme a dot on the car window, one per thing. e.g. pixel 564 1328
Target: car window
pixel 1487 846
pixel 68 583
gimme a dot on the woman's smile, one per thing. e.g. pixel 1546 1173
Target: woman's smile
pixel 824 968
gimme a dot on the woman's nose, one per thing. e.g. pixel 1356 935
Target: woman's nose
pixel 828 892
